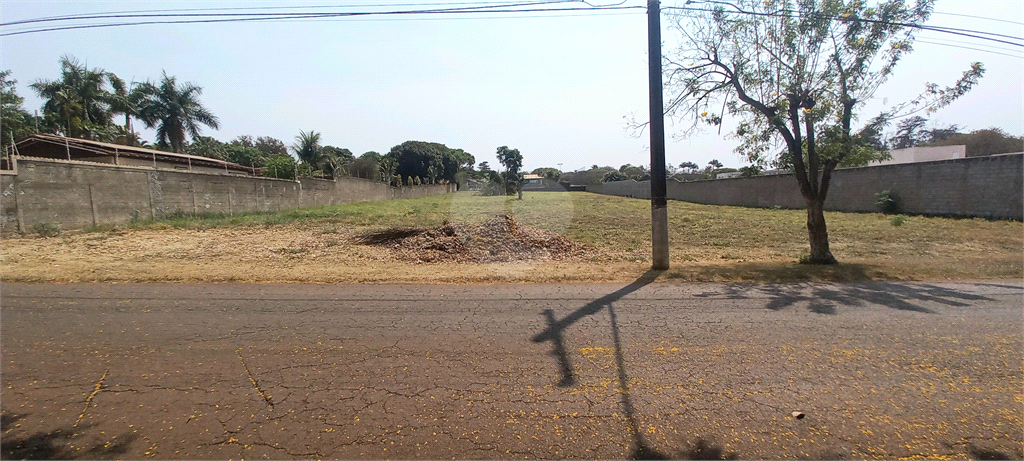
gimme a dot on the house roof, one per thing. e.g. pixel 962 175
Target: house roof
pixel 103 148
pixel 532 176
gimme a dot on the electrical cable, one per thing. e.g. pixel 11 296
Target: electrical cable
pixel 1018 56
pixel 979 17
pixel 158 14
pixel 316 15
pixel 947 30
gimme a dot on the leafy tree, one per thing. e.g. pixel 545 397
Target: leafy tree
pixel 592 176
pixel 270 146
pixel 174 110
pixel 909 133
pixel 76 105
pixel 750 171
pixel 454 161
pixel 939 134
pixel 484 166
pixel 430 161
pixel 335 158
pixel 690 167
pixel 714 163
pixel 281 167
pixel 636 173
pixel 15 122
pixel 613 176
pixel 512 160
pixel 416 158
pixel 494 185
pixel 244 141
pixel 386 169
pixel 796 74
pixel 205 146
pixel 979 143
pixel 242 155
pixel 550 173
pixel 364 167
pixel 376 157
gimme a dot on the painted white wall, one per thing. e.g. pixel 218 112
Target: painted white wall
pixel 924 154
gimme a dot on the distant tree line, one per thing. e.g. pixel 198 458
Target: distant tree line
pixel 912 132
pixel 88 103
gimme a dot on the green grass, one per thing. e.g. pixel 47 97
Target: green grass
pixel 706 242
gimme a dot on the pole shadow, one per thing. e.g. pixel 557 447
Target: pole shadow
pixel 701 449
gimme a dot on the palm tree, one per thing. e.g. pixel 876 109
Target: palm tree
pixel 78 101
pixel 307 148
pixel 126 100
pixel 174 110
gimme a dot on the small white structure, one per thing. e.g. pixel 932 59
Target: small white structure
pixel 924 154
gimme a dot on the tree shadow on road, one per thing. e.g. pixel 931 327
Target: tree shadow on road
pixel 701 449
pixel 827 298
pixel 57 444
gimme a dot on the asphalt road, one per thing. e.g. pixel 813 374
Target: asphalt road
pixel 701 371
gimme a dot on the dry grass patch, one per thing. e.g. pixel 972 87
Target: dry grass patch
pixel 576 237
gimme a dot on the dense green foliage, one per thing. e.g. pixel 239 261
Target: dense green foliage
pixel 15 122
pixel 613 176
pixel 434 162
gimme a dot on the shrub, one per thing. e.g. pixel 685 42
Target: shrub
pixel 897 220
pixel 886 202
pixel 46 229
pixel 613 176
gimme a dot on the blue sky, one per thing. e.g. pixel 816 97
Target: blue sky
pixel 554 86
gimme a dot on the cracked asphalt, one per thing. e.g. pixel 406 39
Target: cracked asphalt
pixel 645 370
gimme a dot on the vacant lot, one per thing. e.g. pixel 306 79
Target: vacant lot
pixel 610 239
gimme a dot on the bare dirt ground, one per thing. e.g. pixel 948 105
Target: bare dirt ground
pixel 495 250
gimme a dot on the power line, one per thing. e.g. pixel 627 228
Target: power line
pixel 981 35
pixel 73 16
pixel 928 36
pixel 320 15
pixel 181 12
pixel 1018 56
pixel 979 17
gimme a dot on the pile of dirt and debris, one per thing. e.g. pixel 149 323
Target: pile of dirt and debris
pixel 498 239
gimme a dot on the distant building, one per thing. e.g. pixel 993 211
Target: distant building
pixel 924 154
pixel 536 182
pixel 61 148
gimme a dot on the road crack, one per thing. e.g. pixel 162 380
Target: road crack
pixel 255 383
pixel 88 400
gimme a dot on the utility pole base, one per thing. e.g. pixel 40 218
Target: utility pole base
pixel 659 237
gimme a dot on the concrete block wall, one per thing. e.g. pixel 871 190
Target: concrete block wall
pixel 76 194
pixel 986 187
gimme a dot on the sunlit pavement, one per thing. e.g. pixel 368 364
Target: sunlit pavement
pixel 879 370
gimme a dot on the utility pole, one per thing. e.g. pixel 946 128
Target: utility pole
pixel 659 204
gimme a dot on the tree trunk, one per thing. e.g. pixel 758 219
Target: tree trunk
pixel 818 233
